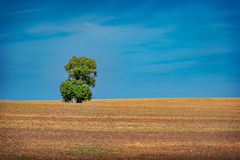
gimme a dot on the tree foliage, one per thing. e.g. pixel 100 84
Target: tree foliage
pixel 82 68
pixel 82 92
pixel 66 89
pixel 81 76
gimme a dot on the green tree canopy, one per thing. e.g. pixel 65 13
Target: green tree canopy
pixel 81 76
pixel 82 68
pixel 82 92
pixel 66 89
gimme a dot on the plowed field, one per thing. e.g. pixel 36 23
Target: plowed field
pixel 184 128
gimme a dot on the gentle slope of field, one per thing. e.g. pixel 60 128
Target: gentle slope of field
pixel 121 129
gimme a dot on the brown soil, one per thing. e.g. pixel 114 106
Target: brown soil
pixel 121 129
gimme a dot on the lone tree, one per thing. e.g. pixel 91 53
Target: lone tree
pixel 81 76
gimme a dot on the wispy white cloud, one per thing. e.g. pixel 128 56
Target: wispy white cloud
pixel 49 28
pixel 68 26
pixel 26 11
pixel 127 32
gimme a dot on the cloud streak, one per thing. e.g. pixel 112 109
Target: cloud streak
pixel 26 11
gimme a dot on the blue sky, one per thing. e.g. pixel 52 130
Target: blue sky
pixel 143 48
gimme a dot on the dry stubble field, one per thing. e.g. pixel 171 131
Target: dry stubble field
pixel 121 129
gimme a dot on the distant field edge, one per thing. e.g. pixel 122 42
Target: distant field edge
pixel 147 98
